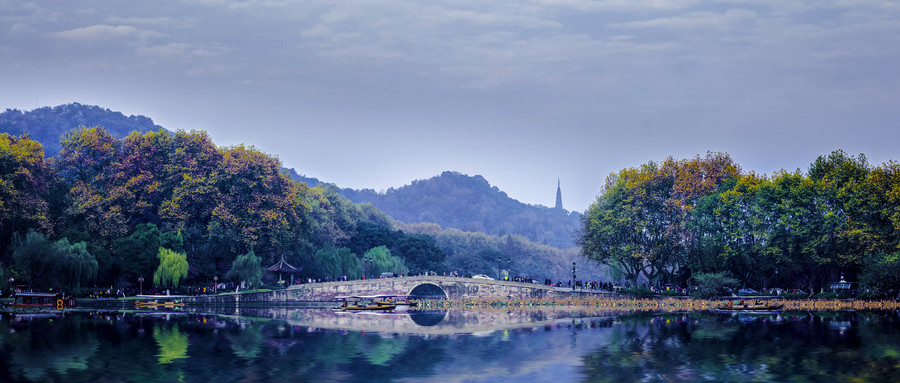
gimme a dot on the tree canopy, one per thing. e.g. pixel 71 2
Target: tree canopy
pixel 669 222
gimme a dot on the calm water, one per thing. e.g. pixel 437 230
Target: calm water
pixel 316 345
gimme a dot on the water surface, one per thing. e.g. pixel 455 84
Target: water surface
pixel 297 345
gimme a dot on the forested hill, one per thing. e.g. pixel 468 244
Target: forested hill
pixel 46 125
pixel 470 203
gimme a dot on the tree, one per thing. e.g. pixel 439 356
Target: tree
pixel 383 262
pixel 26 179
pixel 76 265
pixel 246 268
pixel 137 254
pixel 711 285
pixel 335 262
pixel 45 264
pixel 173 266
pixel 421 253
pixel 33 259
pixel 881 273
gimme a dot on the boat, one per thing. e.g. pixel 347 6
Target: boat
pixel 374 302
pixel 750 303
pixel 159 301
pixel 30 299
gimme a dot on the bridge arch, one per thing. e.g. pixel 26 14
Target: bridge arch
pixel 429 289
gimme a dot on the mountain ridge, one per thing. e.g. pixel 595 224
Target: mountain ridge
pixel 469 203
pixel 47 124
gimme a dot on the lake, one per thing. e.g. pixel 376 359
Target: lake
pixel 566 345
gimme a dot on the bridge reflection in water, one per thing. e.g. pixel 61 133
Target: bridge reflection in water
pixel 424 322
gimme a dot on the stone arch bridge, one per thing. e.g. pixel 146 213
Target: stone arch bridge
pixel 447 287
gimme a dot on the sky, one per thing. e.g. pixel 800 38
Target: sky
pixel 378 93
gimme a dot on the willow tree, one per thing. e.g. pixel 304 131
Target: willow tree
pixel 382 261
pixel 173 266
pixel 246 267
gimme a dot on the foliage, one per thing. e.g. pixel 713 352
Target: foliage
pixel 421 253
pixel 882 273
pixel 334 263
pixel 44 264
pixel 637 291
pixel 383 262
pixel 665 222
pixel 246 267
pixel 173 266
pixel 26 180
pixel 47 124
pixel 711 285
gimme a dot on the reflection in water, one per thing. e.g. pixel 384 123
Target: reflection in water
pixel 311 345
pixel 46 349
pixel 246 343
pixel 428 318
pixel 172 343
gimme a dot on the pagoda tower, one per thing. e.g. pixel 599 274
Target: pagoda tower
pixel 558 196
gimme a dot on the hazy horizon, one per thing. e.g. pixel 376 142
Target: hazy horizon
pixel 376 94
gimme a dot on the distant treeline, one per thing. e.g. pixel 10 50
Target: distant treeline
pixel 681 221
pixel 46 125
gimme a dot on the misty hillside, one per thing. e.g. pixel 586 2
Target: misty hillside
pixel 46 125
pixel 469 203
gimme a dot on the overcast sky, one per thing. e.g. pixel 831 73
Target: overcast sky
pixel 377 93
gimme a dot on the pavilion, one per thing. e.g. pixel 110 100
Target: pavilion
pixel 283 267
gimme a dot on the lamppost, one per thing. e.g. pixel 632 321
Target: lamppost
pixel 573 275
pixel 508 269
pixel 215 284
pixel 499 267
pixel 141 280
pixel 11 288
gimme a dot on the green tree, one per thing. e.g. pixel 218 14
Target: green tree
pixel 710 285
pixel 26 179
pixel 881 273
pixel 173 266
pixel 421 253
pixel 334 262
pixel 246 268
pixel 137 254
pixel 383 262
pixel 76 266
pixel 44 264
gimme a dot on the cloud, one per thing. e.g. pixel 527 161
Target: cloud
pixel 98 32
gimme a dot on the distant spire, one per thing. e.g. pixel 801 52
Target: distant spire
pixel 558 196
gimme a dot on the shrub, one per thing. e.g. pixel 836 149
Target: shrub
pixel 711 285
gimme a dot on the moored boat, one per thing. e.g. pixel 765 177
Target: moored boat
pixel 750 303
pixel 158 301
pixel 32 299
pixel 374 302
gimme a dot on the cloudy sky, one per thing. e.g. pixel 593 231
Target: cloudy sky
pixel 377 93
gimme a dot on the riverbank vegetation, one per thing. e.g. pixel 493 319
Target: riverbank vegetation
pixel 703 219
pixel 118 203
pixel 103 210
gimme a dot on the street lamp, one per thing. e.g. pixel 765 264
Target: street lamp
pixel 215 284
pixel 141 280
pixel 508 269
pixel 499 267
pixel 573 275
pixel 11 288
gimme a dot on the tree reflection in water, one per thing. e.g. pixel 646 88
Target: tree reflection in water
pixel 147 347
pixel 777 348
